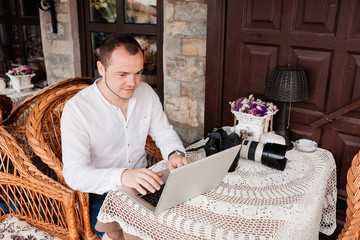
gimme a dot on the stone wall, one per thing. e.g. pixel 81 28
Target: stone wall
pixel 184 66
pixel 61 50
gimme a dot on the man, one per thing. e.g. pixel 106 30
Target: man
pixel 104 128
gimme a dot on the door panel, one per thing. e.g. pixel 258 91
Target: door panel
pixel 263 14
pixel 317 65
pixel 316 16
pixel 320 36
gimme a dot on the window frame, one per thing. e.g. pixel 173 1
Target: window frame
pixel 20 21
pixel 86 27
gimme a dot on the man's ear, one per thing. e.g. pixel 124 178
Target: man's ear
pixel 100 68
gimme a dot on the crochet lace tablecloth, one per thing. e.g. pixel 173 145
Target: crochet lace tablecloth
pixel 254 202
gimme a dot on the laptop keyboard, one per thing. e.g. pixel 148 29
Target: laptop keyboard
pixel 153 198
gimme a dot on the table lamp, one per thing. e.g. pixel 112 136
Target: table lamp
pixel 287 84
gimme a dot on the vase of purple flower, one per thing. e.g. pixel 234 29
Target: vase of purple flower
pixel 20 78
pixel 252 116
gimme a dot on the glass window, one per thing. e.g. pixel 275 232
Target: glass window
pixel 20 39
pixel 140 11
pixel 103 11
pixel 29 8
pixel 96 39
pixel 148 44
pixel 10 52
pixel 7 8
pixel 34 51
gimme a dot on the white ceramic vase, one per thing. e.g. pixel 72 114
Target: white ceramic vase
pixel 21 83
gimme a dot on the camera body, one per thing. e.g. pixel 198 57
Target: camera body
pixel 219 140
pixel 268 154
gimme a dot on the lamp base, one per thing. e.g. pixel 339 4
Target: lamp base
pixel 282 131
pixel 285 134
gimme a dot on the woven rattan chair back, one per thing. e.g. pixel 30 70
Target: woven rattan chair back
pixel 28 194
pixel 5 107
pixel 351 228
pixel 44 136
pixel 153 153
pixel 15 122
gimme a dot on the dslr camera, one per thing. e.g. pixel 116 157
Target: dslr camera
pixel 268 154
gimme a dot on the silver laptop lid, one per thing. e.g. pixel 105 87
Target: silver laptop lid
pixel 189 181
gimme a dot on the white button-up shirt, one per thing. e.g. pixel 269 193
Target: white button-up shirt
pixel 98 143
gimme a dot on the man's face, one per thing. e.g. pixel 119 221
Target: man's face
pixel 123 73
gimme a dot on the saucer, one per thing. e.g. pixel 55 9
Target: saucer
pixel 305 145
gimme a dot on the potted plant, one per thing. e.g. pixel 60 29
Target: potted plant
pixel 252 116
pixel 20 78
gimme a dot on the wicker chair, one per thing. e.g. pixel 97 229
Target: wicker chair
pixel 351 228
pixel 43 133
pixel 28 194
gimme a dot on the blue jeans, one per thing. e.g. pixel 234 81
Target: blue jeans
pixel 96 202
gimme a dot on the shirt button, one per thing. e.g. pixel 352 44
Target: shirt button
pixel 128 144
pixel 127 126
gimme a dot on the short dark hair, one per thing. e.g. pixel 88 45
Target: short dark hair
pixel 117 40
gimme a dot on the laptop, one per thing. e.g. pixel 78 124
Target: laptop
pixel 186 182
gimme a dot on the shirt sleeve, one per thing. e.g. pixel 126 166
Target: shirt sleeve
pixel 78 172
pixel 162 131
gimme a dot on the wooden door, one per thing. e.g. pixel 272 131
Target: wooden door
pixel 322 36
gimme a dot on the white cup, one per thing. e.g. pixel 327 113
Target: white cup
pixel 306 145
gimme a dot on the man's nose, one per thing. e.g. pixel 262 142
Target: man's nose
pixel 131 81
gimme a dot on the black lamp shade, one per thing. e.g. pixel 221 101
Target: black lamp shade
pixel 287 84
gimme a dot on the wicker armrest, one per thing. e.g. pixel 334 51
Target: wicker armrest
pixel 29 195
pixel 152 151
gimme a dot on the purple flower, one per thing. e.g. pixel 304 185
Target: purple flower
pixel 253 106
pixel 21 70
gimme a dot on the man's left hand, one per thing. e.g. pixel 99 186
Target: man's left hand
pixel 176 161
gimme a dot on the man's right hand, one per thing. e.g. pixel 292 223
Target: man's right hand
pixel 142 180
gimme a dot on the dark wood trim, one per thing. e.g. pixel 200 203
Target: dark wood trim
pixel 336 114
pixel 23 20
pixel 120 21
pixel 215 44
pixel 82 38
pixel 159 60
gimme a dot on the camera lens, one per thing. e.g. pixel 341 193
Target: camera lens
pixel 269 154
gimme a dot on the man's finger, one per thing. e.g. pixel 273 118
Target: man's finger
pixel 170 166
pixel 185 161
pixel 140 189
pixel 145 183
pixel 154 176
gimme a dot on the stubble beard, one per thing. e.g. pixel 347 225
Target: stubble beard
pixel 107 85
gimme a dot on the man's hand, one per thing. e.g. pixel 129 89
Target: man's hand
pixel 176 161
pixel 142 179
